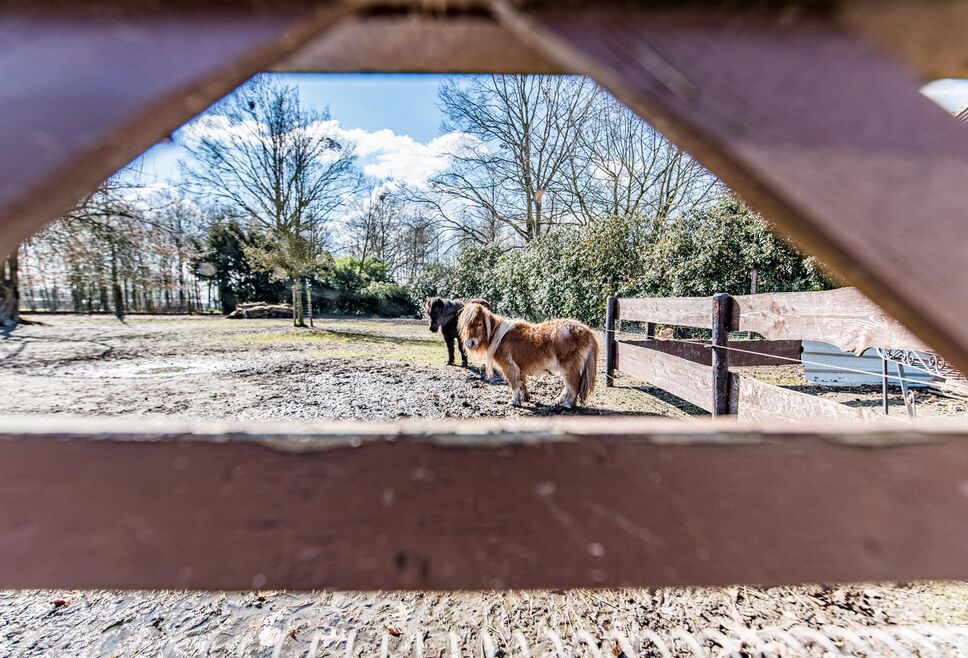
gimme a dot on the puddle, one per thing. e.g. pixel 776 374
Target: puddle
pixel 147 368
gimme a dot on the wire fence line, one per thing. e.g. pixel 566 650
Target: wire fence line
pixel 955 391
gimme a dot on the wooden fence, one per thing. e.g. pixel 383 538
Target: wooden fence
pixel 698 371
pixel 445 504
pixel 869 177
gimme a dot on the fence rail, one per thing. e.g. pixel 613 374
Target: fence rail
pixel 520 503
pixel 694 371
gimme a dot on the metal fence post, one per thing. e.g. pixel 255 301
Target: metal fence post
pixel 610 312
pixel 884 401
pixel 720 327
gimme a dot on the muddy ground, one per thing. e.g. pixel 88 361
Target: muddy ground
pixel 208 367
pixel 265 369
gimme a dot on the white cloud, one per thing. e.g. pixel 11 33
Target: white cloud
pixel 383 154
pixel 387 155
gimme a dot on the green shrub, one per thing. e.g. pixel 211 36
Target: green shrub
pixel 431 281
pixel 570 272
pixel 354 288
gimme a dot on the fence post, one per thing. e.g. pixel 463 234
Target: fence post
pixel 610 310
pixel 309 302
pixel 720 327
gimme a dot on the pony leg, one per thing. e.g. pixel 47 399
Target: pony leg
pixel 463 352
pixel 513 375
pixel 524 389
pixel 449 338
pixel 569 396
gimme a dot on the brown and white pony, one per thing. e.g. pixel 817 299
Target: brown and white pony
pixel 519 349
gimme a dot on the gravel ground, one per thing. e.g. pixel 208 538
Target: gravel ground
pixel 214 368
pixel 206 367
pixel 259 623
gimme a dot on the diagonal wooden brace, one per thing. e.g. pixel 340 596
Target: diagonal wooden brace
pixel 84 92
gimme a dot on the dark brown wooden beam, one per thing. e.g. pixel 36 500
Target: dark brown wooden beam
pixel 769 352
pixel 518 504
pixel 828 138
pixel 83 93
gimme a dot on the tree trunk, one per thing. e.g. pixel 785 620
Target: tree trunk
pixel 116 285
pixel 297 309
pixel 226 298
pixel 9 290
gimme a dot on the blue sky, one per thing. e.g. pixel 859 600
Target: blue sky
pixel 406 105
pixel 396 122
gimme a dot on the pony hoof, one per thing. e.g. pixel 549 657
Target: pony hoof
pixel 515 402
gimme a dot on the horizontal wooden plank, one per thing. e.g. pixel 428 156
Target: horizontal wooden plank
pixel 683 378
pixel 444 505
pixel 770 352
pixel 470 43
pixel 843 317
pixel 680 311
pixel 751 399
pixel 828 138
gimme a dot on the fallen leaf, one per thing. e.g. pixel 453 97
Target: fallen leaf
pixel 293 633
pixel 395 632
pixel 59 603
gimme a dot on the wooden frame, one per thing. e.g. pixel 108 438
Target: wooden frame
pixel 823 134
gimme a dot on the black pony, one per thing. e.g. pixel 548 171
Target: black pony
pixel 443 315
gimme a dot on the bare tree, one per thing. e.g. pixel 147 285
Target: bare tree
pixel 374 228
pixel 624 168
pixel 390 228
pixel 529 128
pixel 279 166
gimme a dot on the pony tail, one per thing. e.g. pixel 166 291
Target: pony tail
pixel 589 372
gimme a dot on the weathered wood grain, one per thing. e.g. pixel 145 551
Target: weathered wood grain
pixel 680 311
pixel 456 43
pixel 611 313
pixel 84 92
pixel 541 503
pixel 722 305
pixel 842 317
pixel 685 379
pixel 751 399
pixel 828 138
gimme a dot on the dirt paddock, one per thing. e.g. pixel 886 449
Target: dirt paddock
pixel 205 367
